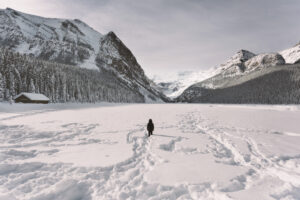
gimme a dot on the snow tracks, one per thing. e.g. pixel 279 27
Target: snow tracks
pixel 272 176
pixel 190 156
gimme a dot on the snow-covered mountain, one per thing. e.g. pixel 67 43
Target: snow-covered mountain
pixel 245 61
pixel 173 85
pixel 235 64
pixel 75 43
pixel 239 64
pixel 291 55
pixel 61 40
pixel 248 78
pixel 263 61
pixel 246 66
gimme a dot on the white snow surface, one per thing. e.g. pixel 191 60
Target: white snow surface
pixel 33 96
pixel 101 151
pixel 291 55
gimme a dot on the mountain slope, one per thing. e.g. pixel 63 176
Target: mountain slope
pixel 174 86
pixel 240 64
pixel 59 82
pixel 291 55
pixel 61 40
pixel 235 64
pixel 277 85
pixel 241 82
pixel 73 42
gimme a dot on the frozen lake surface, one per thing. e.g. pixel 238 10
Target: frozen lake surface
pixel 101 151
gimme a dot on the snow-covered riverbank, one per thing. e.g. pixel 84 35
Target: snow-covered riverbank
pixel 100 151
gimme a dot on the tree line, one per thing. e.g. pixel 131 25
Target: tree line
pixel 277 87
pixel 61 83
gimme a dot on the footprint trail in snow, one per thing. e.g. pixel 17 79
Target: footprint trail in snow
pixel 195 153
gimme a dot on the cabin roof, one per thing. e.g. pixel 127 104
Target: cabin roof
pixel 33 96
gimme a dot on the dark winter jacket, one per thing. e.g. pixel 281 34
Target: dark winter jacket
pixel 150 126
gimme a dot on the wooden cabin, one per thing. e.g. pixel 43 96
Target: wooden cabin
pixel 25 97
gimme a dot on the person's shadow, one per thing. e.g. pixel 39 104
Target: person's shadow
pixel 163 135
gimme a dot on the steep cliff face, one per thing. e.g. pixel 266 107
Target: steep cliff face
pixel 73 42
pixel 113 54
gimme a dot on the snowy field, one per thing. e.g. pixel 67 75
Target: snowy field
pixel 100 151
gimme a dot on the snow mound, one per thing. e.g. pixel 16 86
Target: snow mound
pixel 67 190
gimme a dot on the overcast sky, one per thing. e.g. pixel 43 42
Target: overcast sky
pixel 177 35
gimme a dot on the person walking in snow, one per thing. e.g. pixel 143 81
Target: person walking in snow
pixel 150 127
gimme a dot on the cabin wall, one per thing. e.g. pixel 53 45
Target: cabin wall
pixel 23 99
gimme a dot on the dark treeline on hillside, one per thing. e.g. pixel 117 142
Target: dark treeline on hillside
pixel 277 87
pixel 61 83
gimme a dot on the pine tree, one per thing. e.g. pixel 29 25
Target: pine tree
pixel 11 85
pixel 61 83
pixel 2 87
pixel 31 87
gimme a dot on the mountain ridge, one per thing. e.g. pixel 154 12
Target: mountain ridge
pixel 238 73
pixel 73 42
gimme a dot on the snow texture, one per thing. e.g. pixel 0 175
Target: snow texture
pixel 233 65
pixel 291 55
pixel 40 36
pixel 263 61
pixel 101 151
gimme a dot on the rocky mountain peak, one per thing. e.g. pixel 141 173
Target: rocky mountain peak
pixel 115 53
pixel 73 42
pixel 235 64
pixel 112 35
pixel 244 55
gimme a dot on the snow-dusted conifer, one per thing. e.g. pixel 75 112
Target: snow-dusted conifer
pixel 31 87
pixel 2 87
